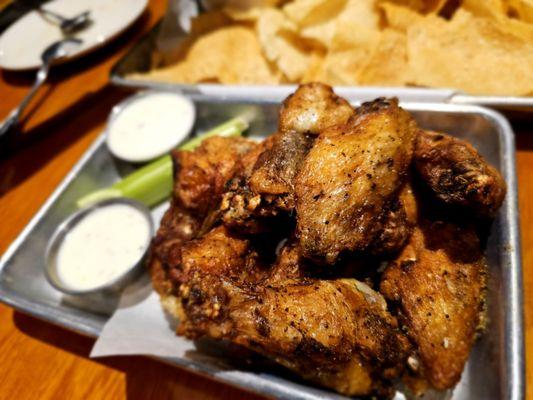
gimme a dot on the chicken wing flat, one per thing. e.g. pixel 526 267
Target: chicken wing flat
pixel 313 108
pixel 437 284
pixel 335 332
pixel 457 174
pixel 348 179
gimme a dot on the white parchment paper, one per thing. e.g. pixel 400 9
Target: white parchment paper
pixel 140 326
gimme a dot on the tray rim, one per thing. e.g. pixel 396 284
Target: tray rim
pixel 514 362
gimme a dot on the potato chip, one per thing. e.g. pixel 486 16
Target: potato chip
pixel 477 55
pixel 321 33
pixel 399 17
pixel 387 65
pixel 242 14
pixel 518 9
pixel 240 4
pixel 327 73
pixel 293 59
pixel 324 31
pixel 521 9
pixel 500 14
pixel 355 26
pixel 356 34
pixel 313 73
pixel 280 44
pixel 341 67
pixel 422 6
pixel 357 19
pixel 237 60
pixel 479 46
pixel 313 12
pixel 485 8
pixel 358 24
pixel 270 23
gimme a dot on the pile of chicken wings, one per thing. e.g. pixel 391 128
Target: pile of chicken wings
pixel 347 246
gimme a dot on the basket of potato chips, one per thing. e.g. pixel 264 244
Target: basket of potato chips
pixel 479 47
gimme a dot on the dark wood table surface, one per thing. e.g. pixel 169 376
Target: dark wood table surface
pixel 39 360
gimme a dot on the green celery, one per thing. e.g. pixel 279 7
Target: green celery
pixel 153 183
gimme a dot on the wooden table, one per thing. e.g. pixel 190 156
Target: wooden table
pixel 39 360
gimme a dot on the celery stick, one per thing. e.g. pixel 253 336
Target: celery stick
pixel 234 127
pixel 153 183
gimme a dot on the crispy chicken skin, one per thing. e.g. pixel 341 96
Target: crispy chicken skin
pixel 458 174
pixel 348 179
pixel 397 225
pixel 437 284
pixel 243 210
pixel 177 226
pixel 253 199
pixel 200 178
pixel 335 332
pixel 268 191
pixel 221 253
pixel 276 168
pixel 201 175
pixel 313 108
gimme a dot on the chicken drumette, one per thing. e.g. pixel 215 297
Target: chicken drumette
pixel 457 174
pixel 268 190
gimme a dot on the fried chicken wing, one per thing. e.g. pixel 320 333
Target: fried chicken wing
pixel 200 178
pixel 202 174
pixel 276 168
pixel 348 179
pixel 457 174
pixel 397 224
pixel 335 332
pixel 269 190
pixel 313 108
pixel 242 209
pixel 437 284
pixel 177 226
pixel 252 200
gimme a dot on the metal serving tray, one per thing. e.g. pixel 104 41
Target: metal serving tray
pixel 496 366
pixel 138 59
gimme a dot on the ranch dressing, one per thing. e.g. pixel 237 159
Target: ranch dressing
pixel 150 125
pixel 102 246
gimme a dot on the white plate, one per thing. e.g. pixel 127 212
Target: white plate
pixel 23 42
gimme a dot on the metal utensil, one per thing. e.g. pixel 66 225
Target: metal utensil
pixel 51 54
pixel 68 25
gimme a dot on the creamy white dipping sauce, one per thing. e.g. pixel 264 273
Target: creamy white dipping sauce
pixel 102 246
pixel 150 125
